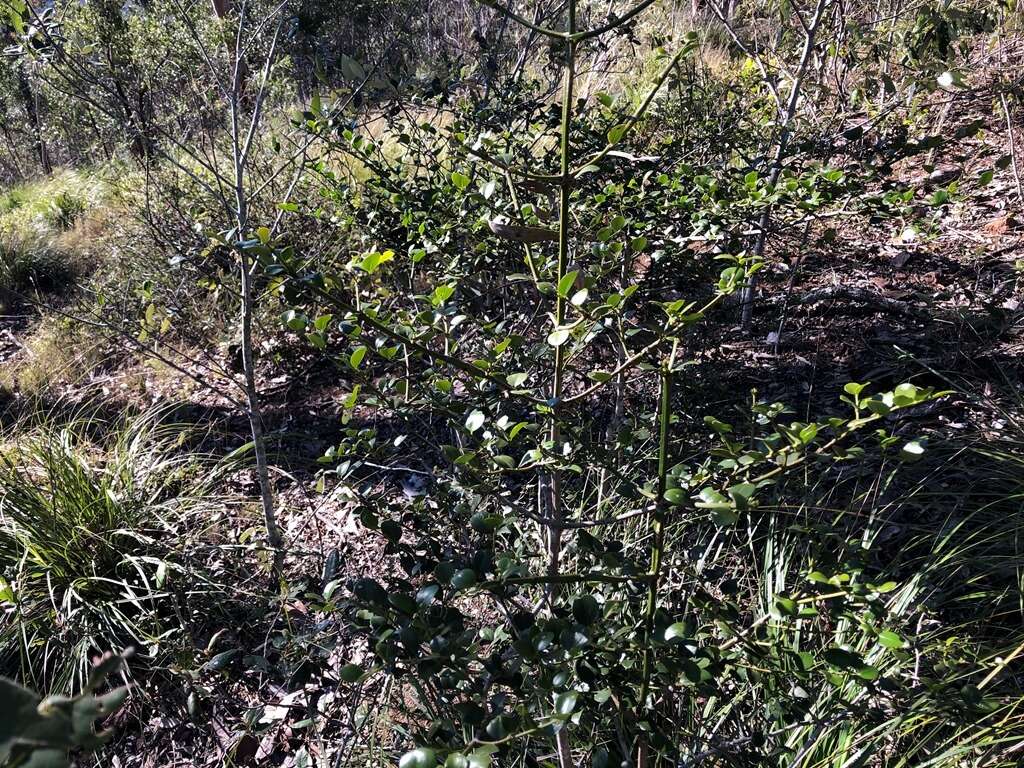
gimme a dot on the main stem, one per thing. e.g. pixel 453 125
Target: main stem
pixel 748 294
pixel 658 545
pixel 253 410
pixel 554 531
pixel 558 380
pixel 255 417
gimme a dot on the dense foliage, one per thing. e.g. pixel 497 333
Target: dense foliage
pixel 471 298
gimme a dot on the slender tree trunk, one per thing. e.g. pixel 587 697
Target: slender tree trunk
pixel 748 294
pixel 255 415
pixel 1013 147
pixel 240 147
pixel 564 221
pixel 28 96
pixel 657 529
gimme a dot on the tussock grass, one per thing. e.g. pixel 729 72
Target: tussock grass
pixel 49 232
pixel 90 540
pixel 952 544
pixel 50 205
pixel 32 264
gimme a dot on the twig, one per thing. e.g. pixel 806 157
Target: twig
pixel 858 294
pixel 1013 147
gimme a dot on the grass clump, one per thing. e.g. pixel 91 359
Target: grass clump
pixel 31 265
pixel 89 539
pixel 51 205
pixel 48 231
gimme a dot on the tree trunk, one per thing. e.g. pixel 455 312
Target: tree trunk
pixel 255 415
pixel 32 110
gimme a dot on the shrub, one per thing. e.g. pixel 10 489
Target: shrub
pixel 58 352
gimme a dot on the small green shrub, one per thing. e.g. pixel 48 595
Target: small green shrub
pixel 51 205
pixel 58 352
pixel 12 200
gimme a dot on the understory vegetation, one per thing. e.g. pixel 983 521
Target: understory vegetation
pixel 483 384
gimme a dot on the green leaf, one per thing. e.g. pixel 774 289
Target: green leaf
pixel 867 672
pixel 475 420
pixel 356 357
pixel 676 631
pixel 786 606
pixel 441 294
pixel 616 133
pixel 350 673
pixel 372 261
pixel 565 702
pixel 221 660
pixel 586 609
pixel 292 320
pixel 482 522
pixel 517 379
pixel 461 181
pixel 741 494
pixel 890 639
pixel 464 579
pixel 675 496
pixel 712 499
pixel 912 451
pixel 808 433
pixel 418 758
pixel 613 228
pixel 718 426
pixel 951 80
pixel 567 282
pixel 558 337
pixel 496 729
pixel 907 394
pixel 724 517
pixel 843 659
pixel 352 69
pixel 426 594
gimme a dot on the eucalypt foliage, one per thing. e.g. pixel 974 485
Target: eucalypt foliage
pixel 39 733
